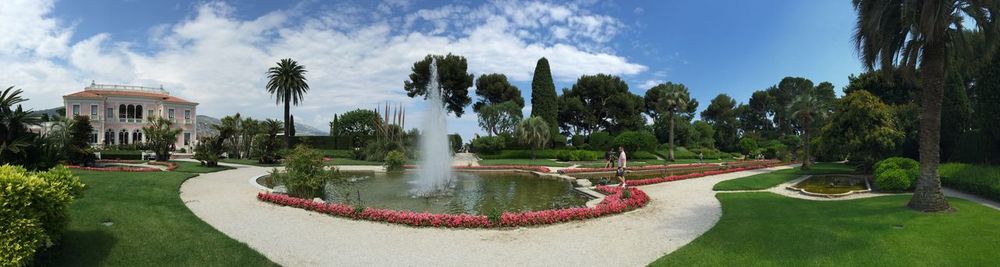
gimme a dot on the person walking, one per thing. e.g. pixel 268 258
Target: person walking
pixel 622 162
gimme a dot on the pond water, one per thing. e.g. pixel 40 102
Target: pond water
pixel 470 193
pixel 832 184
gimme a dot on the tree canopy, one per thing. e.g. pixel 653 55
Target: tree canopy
pixel 544 102
pixel 495 89
pixel 500 118
pixel 607 104
pixel 453 76
pixel 862 126
pixel 721 114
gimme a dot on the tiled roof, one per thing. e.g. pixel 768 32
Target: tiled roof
pixel 101 93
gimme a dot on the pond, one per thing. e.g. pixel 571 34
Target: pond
pixel 832 184
pixel 478 193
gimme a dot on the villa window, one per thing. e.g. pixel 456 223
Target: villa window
pixel 93 113
pixel 121 112
pixel 76 110
pixel 123 137
pixel 109 137
pixel 136 137
pixel 131 112
pixel 93 137
pixel 149 114
pixel 170 114
pixel 187 139
pixel 138 112
pixel 187 116
pixel 109 113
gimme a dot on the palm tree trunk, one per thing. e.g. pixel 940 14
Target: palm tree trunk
pixel 671 118
pixel 288 137
pixel 806 164
pixel 533 148
pixel 928 196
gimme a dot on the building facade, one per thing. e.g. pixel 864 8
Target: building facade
pixel 118 113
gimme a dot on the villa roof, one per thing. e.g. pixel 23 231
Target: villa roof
pixel 107 93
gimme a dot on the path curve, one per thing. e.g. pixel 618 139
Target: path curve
pixel 679 212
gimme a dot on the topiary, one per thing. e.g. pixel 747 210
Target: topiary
pixel 894 180
pixel 600 141
pixel 488 144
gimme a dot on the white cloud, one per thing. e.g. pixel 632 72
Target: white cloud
pixel 219 60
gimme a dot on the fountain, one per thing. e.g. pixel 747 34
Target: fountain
pixel 434 174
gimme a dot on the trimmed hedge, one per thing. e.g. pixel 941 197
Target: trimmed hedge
pixel 982 180
pixel 33 207
pixel 555 154
pixel 684 153
pixel 122 154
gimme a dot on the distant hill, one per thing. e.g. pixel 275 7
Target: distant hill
pixel 52 112
pixel 205 128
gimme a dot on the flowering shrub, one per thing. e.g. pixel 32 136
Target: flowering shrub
pixel 170 165
pixel 612 204
pixel 114 169
pixel 642 168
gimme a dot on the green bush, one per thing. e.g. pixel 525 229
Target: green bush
pixel 636 141
pixel 304 174
pixel 600 141
pixel 579 141
pixel 896 174
pixel 894 180
pixel 394 161
pixel 488 144
pixel 122 154
pixel 33 207
pixel 983 180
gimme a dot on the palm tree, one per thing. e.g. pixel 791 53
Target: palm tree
pixel 904 33
pixel 807 107
pixel 160 135
pixel 14 136
pixel 673 99
pixel 533 131
pixel 287 82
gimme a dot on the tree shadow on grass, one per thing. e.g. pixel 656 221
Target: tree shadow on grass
pixel 78 248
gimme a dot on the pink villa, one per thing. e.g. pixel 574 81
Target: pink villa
pixel 118 113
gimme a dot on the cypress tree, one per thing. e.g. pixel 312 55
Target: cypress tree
pixel 543 96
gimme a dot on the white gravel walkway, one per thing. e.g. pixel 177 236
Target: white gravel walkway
pixel 679 212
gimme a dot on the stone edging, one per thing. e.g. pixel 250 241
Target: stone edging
pixel 804 192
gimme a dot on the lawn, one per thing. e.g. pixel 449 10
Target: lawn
pixel 151 226
pixel 600 164
pixel 772 179
pixel 532 162
pixel 195 167
pixel 765 229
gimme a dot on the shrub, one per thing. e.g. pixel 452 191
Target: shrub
pixel 304 174
pixel 33 207
pixel 909 169
pixel 579 141
pixel 894 180
pixel 981 180
pixel 488 144
pixel 121 154
pixel 600 141
pixel 395 160
pixel 577 155
pixel 635 141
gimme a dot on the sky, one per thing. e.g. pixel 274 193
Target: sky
pixel 359 53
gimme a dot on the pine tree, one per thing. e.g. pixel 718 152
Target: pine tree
pixel 543 96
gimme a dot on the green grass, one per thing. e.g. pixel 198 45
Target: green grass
pixel 337 153
pixel 764 229
pixel 194 167
pixel 536 162
pixel 152 227
pixel 772 179
pixel 600 164
pixel 248 162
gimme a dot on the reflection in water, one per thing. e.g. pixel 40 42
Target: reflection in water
pixel 471 193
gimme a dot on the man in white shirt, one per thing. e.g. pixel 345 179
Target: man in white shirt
pixel 622 160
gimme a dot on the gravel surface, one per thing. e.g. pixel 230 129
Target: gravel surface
pixel 679 212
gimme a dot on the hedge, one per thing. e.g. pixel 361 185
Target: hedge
pixel 33 207
pixel 555 154
pixel 982 180
pixel 122 154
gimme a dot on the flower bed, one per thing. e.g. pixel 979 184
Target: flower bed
pixel 612 204
pixel 114 169
pixel 118 161
pixel 699 174
pixel 170 165
pixel 542 169
pixel 643 168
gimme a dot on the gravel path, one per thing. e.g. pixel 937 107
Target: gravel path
pixel 679 212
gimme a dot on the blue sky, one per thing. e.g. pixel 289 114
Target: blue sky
pixel 358 53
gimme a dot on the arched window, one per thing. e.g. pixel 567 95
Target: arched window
pixel 138 112
pixel 131 111
pixel 122 111
pixel 123 137
pixel 138 138
pixel 109 137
